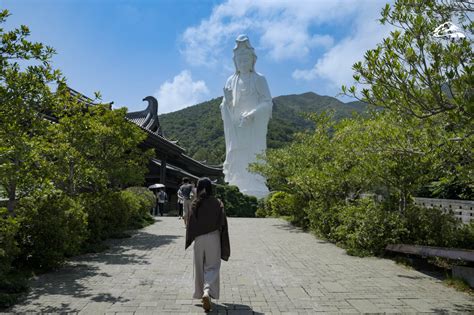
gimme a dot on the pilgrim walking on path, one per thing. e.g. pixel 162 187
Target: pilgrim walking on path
pixel 207 227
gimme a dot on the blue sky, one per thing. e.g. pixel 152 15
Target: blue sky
pixel 181 51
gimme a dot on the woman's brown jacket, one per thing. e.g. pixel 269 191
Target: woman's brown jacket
pixel 208 217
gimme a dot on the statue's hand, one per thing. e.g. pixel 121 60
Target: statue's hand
pixel 246 118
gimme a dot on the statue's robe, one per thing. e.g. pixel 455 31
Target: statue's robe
pixel 244 139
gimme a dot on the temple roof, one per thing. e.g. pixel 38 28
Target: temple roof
pixel 84 99
pixel 148 121
pixel 147 118
pixel 166 149
pixel 175 169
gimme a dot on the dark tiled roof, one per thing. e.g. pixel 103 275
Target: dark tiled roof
pixel 157 138
pixel 84 99
pixel 147 118
pixel 148 121
pixel 174 168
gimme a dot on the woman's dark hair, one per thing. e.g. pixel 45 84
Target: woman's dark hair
pixel 204 191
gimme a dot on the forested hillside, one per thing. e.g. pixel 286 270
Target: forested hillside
pixel 199 128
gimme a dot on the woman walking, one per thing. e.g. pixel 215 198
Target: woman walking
pixel 207 227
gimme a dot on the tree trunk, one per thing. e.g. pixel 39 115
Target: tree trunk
pixel 11 198
pixel 402 204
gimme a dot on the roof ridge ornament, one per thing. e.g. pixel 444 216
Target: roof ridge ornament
pixel 148 118
pixel 152 121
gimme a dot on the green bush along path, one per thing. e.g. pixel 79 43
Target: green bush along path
pixel 274 268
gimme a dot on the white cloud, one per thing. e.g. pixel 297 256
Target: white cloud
pixel 292 31
pixel 325 41
pixel 283 27
pixel 336 64
pixel 181 92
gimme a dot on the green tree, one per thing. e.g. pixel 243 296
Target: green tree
pixel 408 142
pixel 25 94
pixel 312 168
pixel 390 155
pixel 94 148
pixel 318 163
pixel 415 74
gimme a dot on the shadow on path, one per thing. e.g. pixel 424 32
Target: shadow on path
pixel 230 308
pixel 70 280
pixel 241 308
pixel 124 251
pixel 74 279
pixel 421 265
pixel 288 227
pixel 462 309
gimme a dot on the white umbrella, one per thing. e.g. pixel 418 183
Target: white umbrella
pixel 156 186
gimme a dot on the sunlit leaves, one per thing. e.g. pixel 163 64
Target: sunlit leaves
pixel 415 73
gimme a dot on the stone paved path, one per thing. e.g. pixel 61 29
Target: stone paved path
pixel 274 268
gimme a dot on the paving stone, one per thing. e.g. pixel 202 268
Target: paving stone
pixel 421 305
pixel 333 287
pixel 295 293
pixel 274 269
pixel 364 306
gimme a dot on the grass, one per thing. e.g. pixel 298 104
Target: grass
pixel 459 285
pixel 442 267
pixel 404 262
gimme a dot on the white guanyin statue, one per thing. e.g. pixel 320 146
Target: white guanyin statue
pixel 246 110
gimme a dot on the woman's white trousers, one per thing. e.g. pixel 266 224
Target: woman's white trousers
pixel 207 264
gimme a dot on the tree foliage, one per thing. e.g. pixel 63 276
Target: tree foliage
pixel 236 204
pixel 416 75
pixel 95 149
pixel 63 165
pixel 25 94
pixel 418 138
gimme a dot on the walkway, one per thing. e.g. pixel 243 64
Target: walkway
pixel 274 268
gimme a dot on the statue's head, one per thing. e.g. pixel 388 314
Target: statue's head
pixel 244 55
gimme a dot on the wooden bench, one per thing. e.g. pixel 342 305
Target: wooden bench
pixel 430 251
pixel 464 272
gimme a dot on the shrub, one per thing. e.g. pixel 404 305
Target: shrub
pixel 12 283
pixel 111 213
pixel 141 201
pixel 366 228
pixel 288 205
pixel 236 204
pixel 147 198
pixel 107 214
pixel 280 204
pixel 12 287
pixel 262 208
pixel 52 227
pixel 132 206
pixel 465 237
pixel 8 244
pixel 323 219
pixel 434 227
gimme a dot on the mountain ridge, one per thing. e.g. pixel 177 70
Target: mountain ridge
pixel 199 129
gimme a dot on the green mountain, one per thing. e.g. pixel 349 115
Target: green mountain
pixel 199 128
